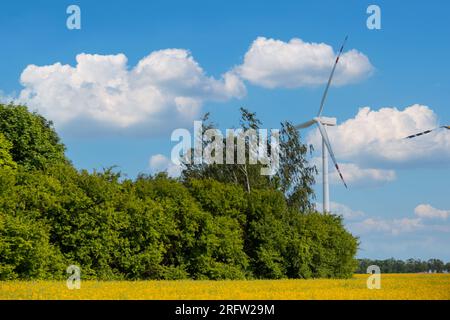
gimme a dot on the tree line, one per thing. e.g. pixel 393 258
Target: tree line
pixel 214 222
pixel 408 266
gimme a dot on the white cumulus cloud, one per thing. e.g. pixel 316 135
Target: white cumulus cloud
pixel 343 210
pixel 160 163
pixel 389 226
pixel 274 63
pixel 167 88
pixel 354 175
pixel 426 211
pixel 357 176
pixel 375 138
pixel 102 92
pixel 422 222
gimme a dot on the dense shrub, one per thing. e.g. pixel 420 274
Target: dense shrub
pixel 158 228
pixel 25 250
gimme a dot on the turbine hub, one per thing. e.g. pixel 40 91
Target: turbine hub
pixel 327 121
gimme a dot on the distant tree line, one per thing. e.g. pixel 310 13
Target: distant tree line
pixel 212 223
pixel 409 266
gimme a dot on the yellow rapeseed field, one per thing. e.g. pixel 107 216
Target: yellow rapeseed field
pixel 393 286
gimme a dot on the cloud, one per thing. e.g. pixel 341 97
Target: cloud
pixel 423 212
pixel 273 63
pixel 101 93
pixel 426 211
pixel 354 175
pixel 389 226
pixel 343 210
pixel 374 138
pixel 160 163
pixel 6 98
pixel 167 88
pixel 361 224
pixel 387 237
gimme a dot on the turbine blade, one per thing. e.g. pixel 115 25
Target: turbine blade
pixel 330 78
pixel 305 124
pixel 324 134
pixel 426 132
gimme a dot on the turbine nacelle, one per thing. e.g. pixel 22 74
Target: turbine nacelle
pixel 321 122
pixel 326 121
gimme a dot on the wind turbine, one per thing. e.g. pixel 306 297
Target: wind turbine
pixel 321 122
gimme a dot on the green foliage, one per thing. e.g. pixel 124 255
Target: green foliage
pixel 244 175
pixel 284 243
pixel 294 178
pixel 34 142
pixel 158 228
pixel 155 227
pixel 25 250
pixel 6 160
pixel 222 242
pixel 266 233
pixel 331 248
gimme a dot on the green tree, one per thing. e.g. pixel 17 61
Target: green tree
pixel 294 178
pixel 436 265
pixel 243 174
pixel 34 141
pixel 332 248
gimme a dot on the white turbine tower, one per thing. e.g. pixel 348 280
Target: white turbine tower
pixel 321 123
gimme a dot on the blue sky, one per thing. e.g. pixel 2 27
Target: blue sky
pixel 398 206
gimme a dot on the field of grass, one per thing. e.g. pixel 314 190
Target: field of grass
pixel 393 286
